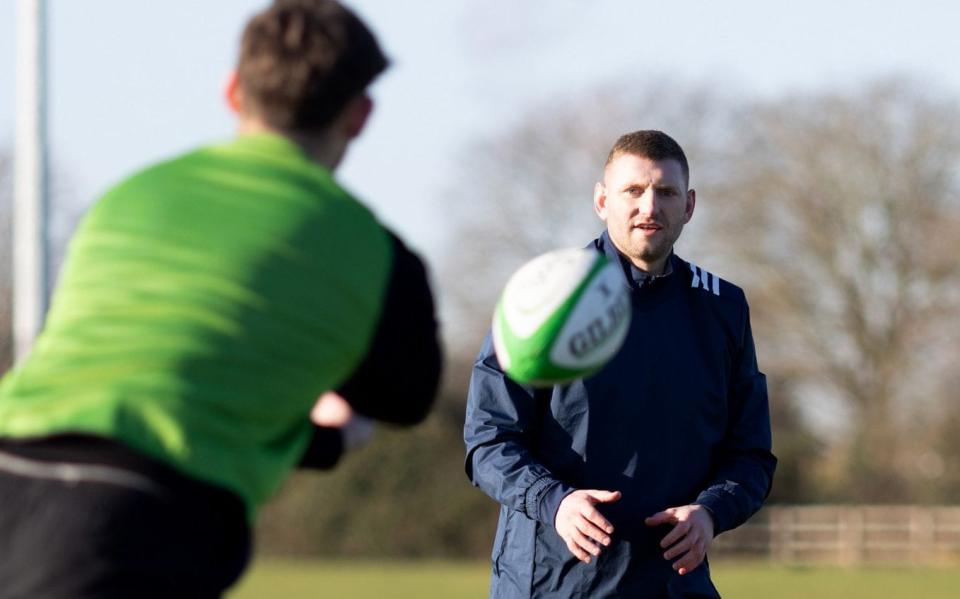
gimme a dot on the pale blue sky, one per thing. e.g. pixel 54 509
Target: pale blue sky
pixel 133 81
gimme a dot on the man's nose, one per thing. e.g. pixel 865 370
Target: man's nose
pixel 648 203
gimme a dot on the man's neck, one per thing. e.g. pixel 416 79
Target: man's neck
pixel 323 148
pixel 654 268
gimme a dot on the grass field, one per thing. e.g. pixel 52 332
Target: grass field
pixel 468 580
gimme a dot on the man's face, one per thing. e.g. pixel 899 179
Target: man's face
pixel 645 204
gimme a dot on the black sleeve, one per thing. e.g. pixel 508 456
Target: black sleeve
pixel 397 380
pixel 325 449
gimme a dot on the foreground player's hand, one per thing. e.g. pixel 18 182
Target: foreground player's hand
pixel 582 527
pixel 690 538
pixel 333 411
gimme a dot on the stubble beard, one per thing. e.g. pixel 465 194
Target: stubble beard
pixel 649 251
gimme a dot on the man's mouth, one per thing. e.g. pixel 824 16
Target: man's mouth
pixel 648 228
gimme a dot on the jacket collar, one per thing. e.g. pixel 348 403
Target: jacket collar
pixel 633 276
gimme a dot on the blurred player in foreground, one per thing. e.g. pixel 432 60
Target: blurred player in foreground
pixel 206 302
pixel 616 484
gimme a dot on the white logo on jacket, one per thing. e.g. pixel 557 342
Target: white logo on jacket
pixel 702 278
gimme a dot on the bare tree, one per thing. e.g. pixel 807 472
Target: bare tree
pixel 839 212
pixel 843 210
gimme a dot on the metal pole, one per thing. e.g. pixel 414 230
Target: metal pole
pixel 30 205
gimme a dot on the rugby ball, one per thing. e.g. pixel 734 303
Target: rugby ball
pixel 561 317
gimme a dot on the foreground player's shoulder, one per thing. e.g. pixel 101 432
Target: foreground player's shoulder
pixel 139 193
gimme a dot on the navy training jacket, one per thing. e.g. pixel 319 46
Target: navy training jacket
pixel 678 416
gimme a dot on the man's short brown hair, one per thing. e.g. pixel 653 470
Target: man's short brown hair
pixel 301 61
pixel 653 145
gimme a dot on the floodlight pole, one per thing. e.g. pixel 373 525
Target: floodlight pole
pixel 30 205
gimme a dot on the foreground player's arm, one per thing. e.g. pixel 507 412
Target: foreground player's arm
pixel 337 429
pixel 744 469
pixel 326 447
pixel 398 378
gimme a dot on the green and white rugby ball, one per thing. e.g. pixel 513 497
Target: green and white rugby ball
pixel 561 317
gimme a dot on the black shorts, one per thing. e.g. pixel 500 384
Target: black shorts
pixel 86 517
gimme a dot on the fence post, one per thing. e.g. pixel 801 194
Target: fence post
pixel 782 535
pixel 922 535
pixel 850 535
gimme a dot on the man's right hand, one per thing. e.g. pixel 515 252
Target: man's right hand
pixel 581 525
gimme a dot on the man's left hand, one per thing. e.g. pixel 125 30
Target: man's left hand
pixel 690 538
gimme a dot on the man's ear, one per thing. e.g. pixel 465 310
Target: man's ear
pixel 232 94
pixel 600 201
pixel 356 114
pixel 691 204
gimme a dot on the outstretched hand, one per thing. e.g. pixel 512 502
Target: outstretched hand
pixel 690 538
pixel 332 410
pixel 581 525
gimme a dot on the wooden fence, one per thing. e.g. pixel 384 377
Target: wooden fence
pixel 847 535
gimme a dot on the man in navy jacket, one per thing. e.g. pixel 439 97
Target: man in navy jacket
pixel 615 485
